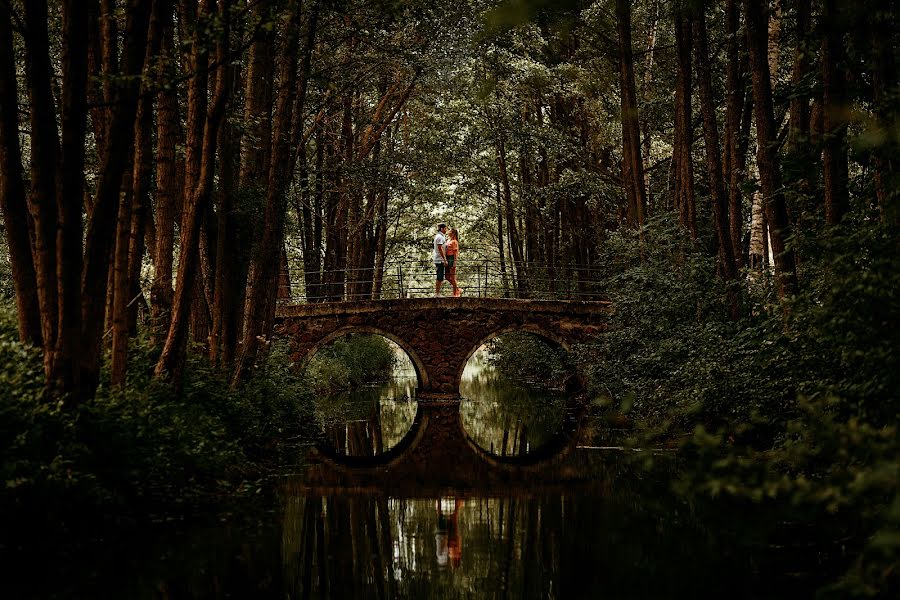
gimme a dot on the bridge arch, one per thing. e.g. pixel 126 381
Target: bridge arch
pixel 439 334
pixel 548 336
pixel 418 365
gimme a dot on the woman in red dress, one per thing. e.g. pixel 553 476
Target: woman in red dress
pixel 452 253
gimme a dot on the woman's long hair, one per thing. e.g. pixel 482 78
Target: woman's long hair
pixel 455 233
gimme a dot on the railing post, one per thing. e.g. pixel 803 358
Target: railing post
pixel 478 278
pixel 399 281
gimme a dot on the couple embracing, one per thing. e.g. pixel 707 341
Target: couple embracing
pixel 445 253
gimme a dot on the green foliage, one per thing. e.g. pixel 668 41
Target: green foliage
pixel 798 404
pixel 350 361
pixel 665 351
pixel 675 350
pixel 524 357
pixel 146 449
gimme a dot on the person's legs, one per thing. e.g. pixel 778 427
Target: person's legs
pixel 451 273
pixel 440 279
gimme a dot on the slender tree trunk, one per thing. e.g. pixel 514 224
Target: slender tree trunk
pixel 884 79
pixel 311 259
pixel 12 194
pixel 713 159
pixel 101 228
pixel 684 135
pixel 197 191
pixel 631 147
pixel 161 293
pixel 71 195
pixel 96 100
pixel 515 246
pixel 44 175
pixel 264 271
pixel 224 334
pixel 834 97
pixel 767 155
pixel 120 292
pixel 500 243
pixel 734 102
pixel 774 36
pixel 129 230
pixel 799 109
pixel 257 140
pixel 648 81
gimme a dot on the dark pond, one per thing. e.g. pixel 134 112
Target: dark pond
pixel 584 522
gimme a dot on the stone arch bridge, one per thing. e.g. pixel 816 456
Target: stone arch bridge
pixel 439 334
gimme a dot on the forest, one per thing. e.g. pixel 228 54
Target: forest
pixel 724 172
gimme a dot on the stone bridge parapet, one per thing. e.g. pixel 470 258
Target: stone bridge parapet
pixel 439 334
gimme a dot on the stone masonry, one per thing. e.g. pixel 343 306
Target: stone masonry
pixel 439 334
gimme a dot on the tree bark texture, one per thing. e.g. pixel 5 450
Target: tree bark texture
pixel 12 194
pixel 734 103
pixel 766 155
pixel 718 197
pixel 631 148
pixel 265 263
pixel 685 197
pixel 834 84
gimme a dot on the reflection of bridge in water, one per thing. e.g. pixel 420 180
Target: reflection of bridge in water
pixel 438 457
pixel 439 334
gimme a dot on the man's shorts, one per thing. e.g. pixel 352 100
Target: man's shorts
pixel 440 271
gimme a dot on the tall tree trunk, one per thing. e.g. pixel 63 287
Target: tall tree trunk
pixel 161 293
pixel 200 165
pixel 257 140
pixel 713 159
pixel 774 36
pixel 311 259
pixel 101 228
pixel 685 198
pixel 884 79
pixel 120 291
pixel 799 109
pixel 648 81
pixel 515 246
pixel 767 154
pixel 264 269
pixel 311 250
pixel 227 279
pixel 12 193
pixel 631 147
pixel 71 195
pixel 500 244
pixel 44 175
pixel 129 235
pixel 834 98
pixel 734 102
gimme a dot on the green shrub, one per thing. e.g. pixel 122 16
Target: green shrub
pixel 148 448
pixel 526 358
pixel 798 406
pixel 350 361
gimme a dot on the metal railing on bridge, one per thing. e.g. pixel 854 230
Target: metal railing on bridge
pixel 416 279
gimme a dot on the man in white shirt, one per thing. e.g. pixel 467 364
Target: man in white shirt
pixel 440 257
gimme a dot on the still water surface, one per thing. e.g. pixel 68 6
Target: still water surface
pixel 622 534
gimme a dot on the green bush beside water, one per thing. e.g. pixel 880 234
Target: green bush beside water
pixel 145 450
pixel 350 361
pixel 526 358
pixel 800 407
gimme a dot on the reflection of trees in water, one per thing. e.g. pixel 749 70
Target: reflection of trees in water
pixel 639 541
pixel 369 420
pixel 373 547
pixel 506 418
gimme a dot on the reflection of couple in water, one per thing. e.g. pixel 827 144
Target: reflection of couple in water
pixel 445 253
pixel 447 536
